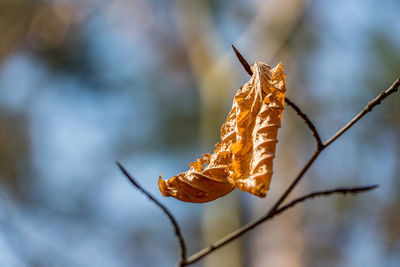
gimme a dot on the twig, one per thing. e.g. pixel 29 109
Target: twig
pixel 343 190
pixel 308 122
pixel 320 147
pixel 393 88
pixel 376 101
pixel 178 233
pixel 243 61
pixel 276 208
pixel 270 215
pixel 251 225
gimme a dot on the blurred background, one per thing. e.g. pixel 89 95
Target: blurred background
pixel 149 83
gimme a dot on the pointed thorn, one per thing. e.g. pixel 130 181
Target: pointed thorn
pixel 243 61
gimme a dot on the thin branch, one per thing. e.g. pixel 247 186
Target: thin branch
pixel 275 208
pixel 376 101
pixel 270 215
pixel 342 190
pixel 243 61
pixel 244 229
pixel 308 122
pixel 175 224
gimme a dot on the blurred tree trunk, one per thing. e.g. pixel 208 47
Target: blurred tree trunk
pixel 216 89
pixel 279 242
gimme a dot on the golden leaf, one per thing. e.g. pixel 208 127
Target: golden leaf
pixel 243 158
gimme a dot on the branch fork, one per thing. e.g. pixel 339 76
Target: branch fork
pixel 277 207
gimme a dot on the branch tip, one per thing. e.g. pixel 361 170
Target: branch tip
pixel 243 61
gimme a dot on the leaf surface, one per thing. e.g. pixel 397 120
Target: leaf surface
pixel 243 159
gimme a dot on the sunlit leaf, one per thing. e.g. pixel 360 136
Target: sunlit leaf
pixel 243 158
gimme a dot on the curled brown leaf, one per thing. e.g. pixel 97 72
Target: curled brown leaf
pixel 243 159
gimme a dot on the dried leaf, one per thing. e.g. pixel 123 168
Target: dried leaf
pixel 243 158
